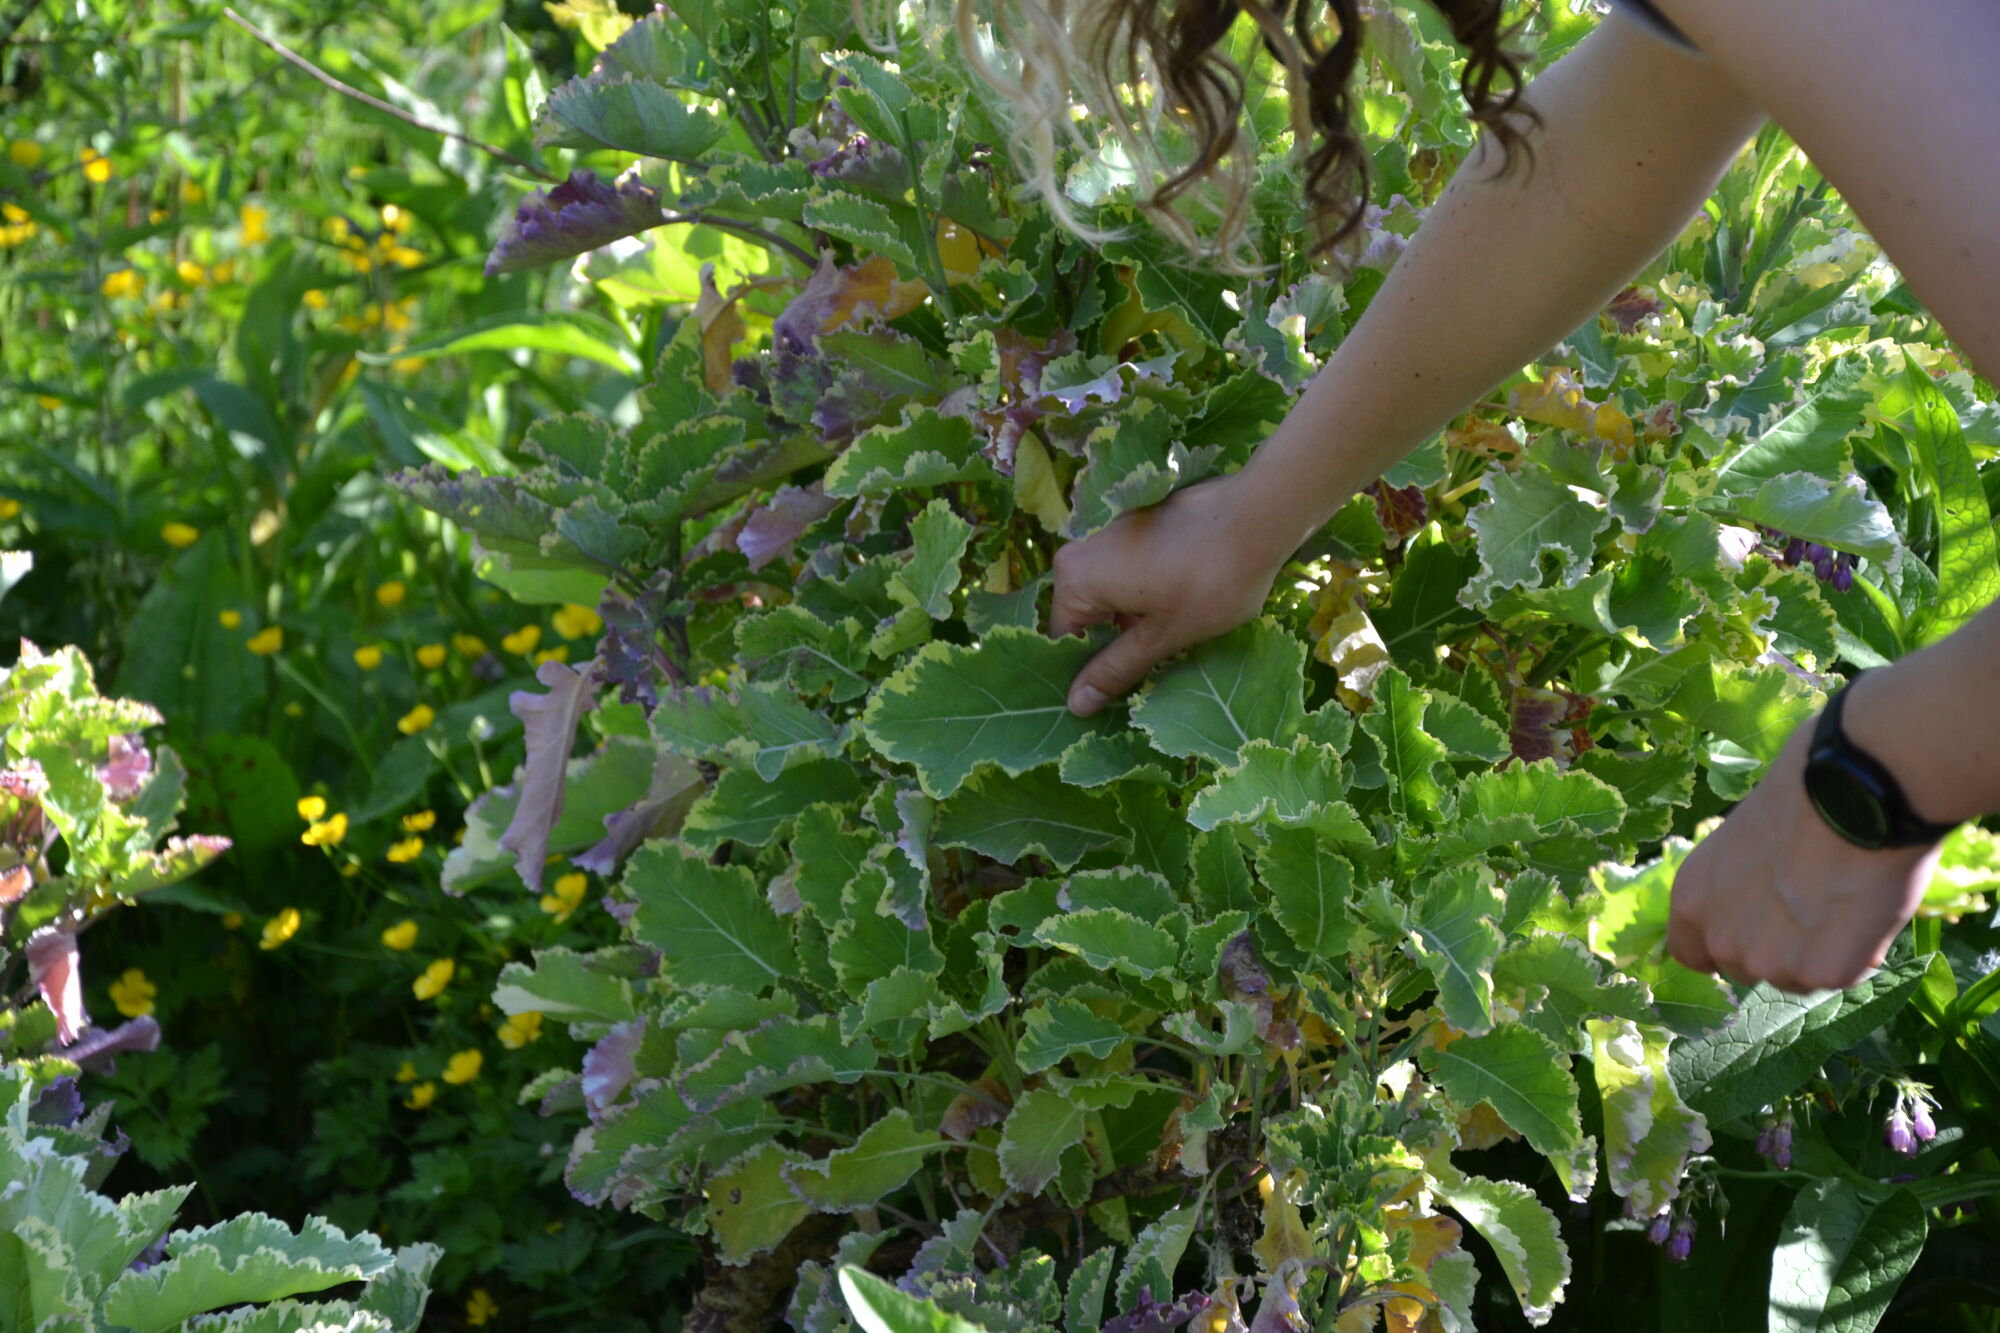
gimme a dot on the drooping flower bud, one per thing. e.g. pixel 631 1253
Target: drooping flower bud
pixel 1660 1227
pixel 1681 1243
pixel 1921 1122
pixel 1781 1144
pixel 1897 1134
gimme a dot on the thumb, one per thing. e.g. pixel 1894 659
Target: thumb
pixel 1119 666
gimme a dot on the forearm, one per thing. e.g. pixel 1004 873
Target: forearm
pixel 1635 136
pixel 1933 719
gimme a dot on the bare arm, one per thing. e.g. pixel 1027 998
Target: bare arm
pixel 1636 135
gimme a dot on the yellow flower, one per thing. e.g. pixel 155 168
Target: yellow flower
pixel 421 1096
pixel 409 849
pixel 180 536
pixel 403 256
pixel 368 657
pixel 223 272
pixel 191 192
pixel 191 273
pixel 13 213
pixel 566 895
pixel 96 166
pixel 230 619
pixel 125 282
pixel 416 719
pixel 481 1308
pixel 49 401
pixel 391 593
pixel 576 622
pixel 522 640
pixel 157 216
pixel 559 653
pixel 394 220
pixel 407 365
pixel 25 154
pixel 350 870
pixel 468 645
pixel 315 299
pixel 9 508
pixel 401 937
pixel 285 924
pixel 133 994
pixel 423 821
pixel 435 978
pixel 294 708
pixel 325 832
pixel 254 218
pixel 406 1072
pixel 312 808
pixel 521 1029
pixel 266 641
pixel 463 1067
pixel 232 920
pixel 431 656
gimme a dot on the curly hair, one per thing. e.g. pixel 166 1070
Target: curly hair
pixel 1159 70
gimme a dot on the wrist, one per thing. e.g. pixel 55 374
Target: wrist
pixel 1905 716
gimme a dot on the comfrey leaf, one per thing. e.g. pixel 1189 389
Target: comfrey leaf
pixel 580 214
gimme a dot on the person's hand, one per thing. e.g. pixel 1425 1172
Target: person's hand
pixel 1189 568
pixel 1775 895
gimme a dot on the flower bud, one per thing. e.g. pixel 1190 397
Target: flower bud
pixel 1681 1243
pixel 1781 1145
pixel 1896 1134
pixel 1921 1123
pixel 1658 1229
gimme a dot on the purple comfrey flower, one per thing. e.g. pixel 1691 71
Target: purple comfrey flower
pixel 1781 1144
pixel 1681 1243
pixel 1660 1227
pixel 128 768
pixel 152 1254
pixel 1896 1132
pixel 580 214
pixel 1921 1123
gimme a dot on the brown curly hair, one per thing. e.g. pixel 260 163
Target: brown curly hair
pixel 1177 50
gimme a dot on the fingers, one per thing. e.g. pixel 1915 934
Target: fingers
pixel 1122 664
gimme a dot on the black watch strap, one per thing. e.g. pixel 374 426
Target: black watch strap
pixel 1906 828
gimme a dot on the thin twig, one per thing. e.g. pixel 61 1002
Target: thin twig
pixel 366 99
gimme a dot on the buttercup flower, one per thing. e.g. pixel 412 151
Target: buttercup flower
pixel 565 895
pixel 96 166
pixel 416 719
pixel 280 927
pixel 254 218
pixel 314 298
pixel 576 622
pixel 325 832
pixel 481 1308
pixel 409 849
pixel 559 653
pixel 391 593
pixel 266 641
pixel 191 273
pixel 468 645
pixel 520 1029
pixel 423 821
pixel 421 1096
pixel 312 808
pixel 180 536
pixel 25 154
pixel 9 508
pixel 133 994
pixel 435 978
pixel 523 640
pixel 463 1067
pixel 223 272
pixel 232 920
pixel 368 656
pixel 230 619
pixel 406 1072
pixel 401 937
pixel 431 656
pixel 191 192
pixel 124 282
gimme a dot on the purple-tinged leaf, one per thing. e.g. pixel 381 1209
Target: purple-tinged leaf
pixel 877 168
pixel 608 1066
pixel 95 1051
pixel 772 528
pixel 548 723
pixel 23 825
pixel 128 767
pixel 580 214
pixel 1534 727
pixel 629 654
pixel 1150 1316
pixel 57 1104
pixel 676 784
pixel 55 970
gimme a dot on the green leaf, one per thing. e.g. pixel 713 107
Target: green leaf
pixel 1154 1256
pixel 629 113
pixel 760 726
pixel 1557 985
pixel 248 1259
pixel 1271 782
pixel 923 449
pixel 867 224
pixel 750 1207
pixel 1309 888
pixel 744 807
pixel 1523 1234
pixel 1112 940
pixel 1968 559
pixel 879 1307
pixel 1410 755
pixel 1062 1027
pixel 1526 803
pixel 938 541
pixel 1248 684
pixel 1779 1040
pixel 1002 700
pixel 1522 1074
pixel 1007 817
pixel 1098 761
pixel 1453 925
pixel 1043 1124
pixel 1649 1132
pixel 778 1053
pixel 1840 1257
pixel 1529 515
pixel 574 333
pixel 882 1160
pixel 1083 1302
pixel 709 922
pixel 1812 436
pixel 871 941
pixel 564 984
pixel 1465 732
pixel 826 859
pixel 1837 513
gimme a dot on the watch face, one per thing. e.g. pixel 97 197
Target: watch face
pixel 1846 802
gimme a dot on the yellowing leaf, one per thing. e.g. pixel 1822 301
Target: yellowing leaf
pixel 1285 1236
pixel 598 20
pixel 872 287
pixel 1035 487
pixel 721 329
pixel 1559 401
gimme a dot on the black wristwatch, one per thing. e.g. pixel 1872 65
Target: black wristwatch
pixel 1856 795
